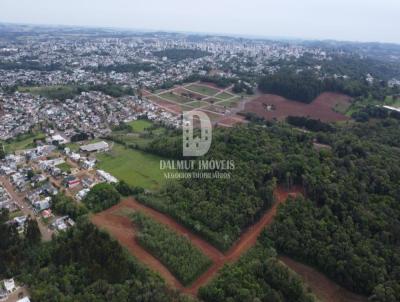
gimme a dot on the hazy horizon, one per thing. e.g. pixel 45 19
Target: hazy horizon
pixel 354 20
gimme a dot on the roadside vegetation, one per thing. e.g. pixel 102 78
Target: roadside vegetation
pixel 257 276
pixel 176 252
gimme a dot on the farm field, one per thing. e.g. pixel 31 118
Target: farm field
pixel 134 167
pixel 323 107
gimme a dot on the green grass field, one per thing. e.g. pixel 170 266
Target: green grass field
pixel 224 95
pixel 140 125
pixel 23 142
pixel 65 167
pixel 229 103
pixel 197 104
pixel 175 97
pixel 61 92
pixel 134 167
pixel 203 89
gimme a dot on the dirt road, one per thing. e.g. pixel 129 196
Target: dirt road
pixel 25 207
pixel 247 240
pixel 122 229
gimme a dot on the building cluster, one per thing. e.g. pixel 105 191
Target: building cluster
pixel 90 112
pixel 135 60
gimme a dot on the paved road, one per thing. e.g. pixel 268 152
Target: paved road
pixel 25 207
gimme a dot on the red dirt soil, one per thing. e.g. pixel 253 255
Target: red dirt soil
pixel 321 108
pixel 232 120
pixel 321 286
pixel 166 105
pixel 123 230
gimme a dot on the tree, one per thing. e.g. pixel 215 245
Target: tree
pixel 2 151
pixel 32 231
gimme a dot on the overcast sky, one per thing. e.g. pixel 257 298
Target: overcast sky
pixel 356 20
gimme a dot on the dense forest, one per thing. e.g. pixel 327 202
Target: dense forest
pixel 257 276
pixel 219 209
pixel 305 86
pixel 347 226
pixel 176 252
pixel 84 264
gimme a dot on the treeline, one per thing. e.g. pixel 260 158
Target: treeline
pixel 372 111
pixel 310 124
pixel 176 252
pixel 257 276
pixel 178 54
pixel 305 86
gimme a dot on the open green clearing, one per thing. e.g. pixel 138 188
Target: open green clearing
pixel 134 167
pixel 138 135
pixel 229 103
pixel 140 125
pixel 175 97
pixel 224 95
pixel 23 142
pixel 176 252
pixel 360 104
pixel 65 167
pixel 202 89
pixel 197 104
pixel 52 92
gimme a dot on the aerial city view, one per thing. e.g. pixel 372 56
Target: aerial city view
pixel 168 151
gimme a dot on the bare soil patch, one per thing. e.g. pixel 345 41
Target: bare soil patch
pixel 321 286
pixel 272 106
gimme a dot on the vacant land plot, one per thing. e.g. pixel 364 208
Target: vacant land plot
pixel 65 167
pixel 323 107
pixel 230 103
pixel 202 89
pixel 140 125
pixel 52 92
pixel 321 286
pixel 165 104
pixel 224 95
pixel 134 167
pixel 172 96
pixel 175 251
pixel 23 142
pixel 197 104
